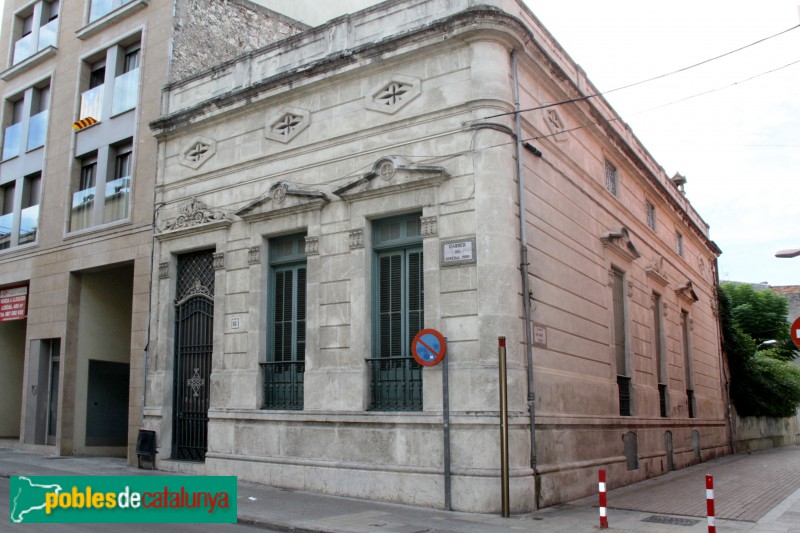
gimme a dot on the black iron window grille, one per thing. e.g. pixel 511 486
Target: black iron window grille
pixel 283 384
pixel 662 396
pixel 395 384
pixel 624 385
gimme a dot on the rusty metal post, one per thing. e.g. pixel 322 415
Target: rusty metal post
pixel 503 427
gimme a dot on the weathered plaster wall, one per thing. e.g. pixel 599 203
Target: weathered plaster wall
pixel 210 32
pixel 752 434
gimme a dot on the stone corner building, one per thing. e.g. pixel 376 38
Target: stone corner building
pixel 312 198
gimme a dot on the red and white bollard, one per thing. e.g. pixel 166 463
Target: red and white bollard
pixel 603 511
pixel 712 525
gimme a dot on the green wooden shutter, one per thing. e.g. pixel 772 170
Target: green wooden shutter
pixel 416 295
pixel 390 307
pixel 282 337
pixel 300 323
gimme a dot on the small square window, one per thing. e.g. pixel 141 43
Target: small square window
pixel 612 180
pixel 650 212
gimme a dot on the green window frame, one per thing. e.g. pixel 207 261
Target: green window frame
pixel 286 319
pixel 398 314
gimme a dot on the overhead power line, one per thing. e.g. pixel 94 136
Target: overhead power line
pixel 660 76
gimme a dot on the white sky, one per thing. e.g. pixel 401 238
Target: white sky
pixel 739 148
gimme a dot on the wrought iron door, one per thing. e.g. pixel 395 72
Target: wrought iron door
pixel 194 337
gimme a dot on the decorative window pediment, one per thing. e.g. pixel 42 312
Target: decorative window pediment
pixel 620 242
pixel 390 174
pixel 197 152
pixel 686 291
pixel 394 94
pixel 193 215
pixel 283 197
pixel 287 124
pixel 657 271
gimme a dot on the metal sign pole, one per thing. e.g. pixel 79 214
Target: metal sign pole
pixel 446 433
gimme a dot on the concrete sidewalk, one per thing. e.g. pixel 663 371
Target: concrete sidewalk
pixel 758 492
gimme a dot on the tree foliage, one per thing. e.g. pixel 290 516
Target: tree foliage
pixel 763 383
pixel 761 314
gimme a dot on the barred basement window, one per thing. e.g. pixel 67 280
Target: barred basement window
pixel 285 367
pixel 398 314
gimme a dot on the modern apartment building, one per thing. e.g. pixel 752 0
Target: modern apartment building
pixel 81 80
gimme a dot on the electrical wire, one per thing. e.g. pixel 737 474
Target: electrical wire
pixel 660 76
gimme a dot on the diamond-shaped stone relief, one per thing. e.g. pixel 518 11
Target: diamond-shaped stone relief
pixel 286 124
pixel 198 151
pixel 394 94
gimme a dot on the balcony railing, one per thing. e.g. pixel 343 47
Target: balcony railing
pixel 395 384
pixel 12 140
pixel 24 48
pixel 92 103
pixel 82 209
pixel 5 230
pixel 283 384
pixel 126 92
pixel 47 34
pixel 37 130
pixel 102 7
pixel 29 224
pixel 117 199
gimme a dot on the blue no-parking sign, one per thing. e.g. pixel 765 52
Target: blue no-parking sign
pixel 428 347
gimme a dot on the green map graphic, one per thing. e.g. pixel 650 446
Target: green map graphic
pixel 26 496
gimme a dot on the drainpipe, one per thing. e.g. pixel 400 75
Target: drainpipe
pixel 523 260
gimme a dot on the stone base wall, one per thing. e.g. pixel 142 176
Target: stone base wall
pixel 753 434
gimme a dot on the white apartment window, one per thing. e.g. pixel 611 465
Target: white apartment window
pixel 101 8
pixel 679 243
pixel 37 27
pixel 103 187
pixel 29 214
pixel 26 125
pixel 650 213
pixel 19 218
pixel 612 179
pixel 113 83
pixel 82 212
pixel 7 214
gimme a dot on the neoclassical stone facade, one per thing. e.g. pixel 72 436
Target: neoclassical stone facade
pixel 323 199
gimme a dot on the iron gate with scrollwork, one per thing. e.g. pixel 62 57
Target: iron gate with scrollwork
pixel 194 338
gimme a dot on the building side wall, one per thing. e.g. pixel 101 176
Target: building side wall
pixel 208 32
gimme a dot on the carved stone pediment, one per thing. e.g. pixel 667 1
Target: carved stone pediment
pixel 390 174
pixel 192 216
pixel 657 271
pixel 282 198
pixel 686 292
pixel 619 241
